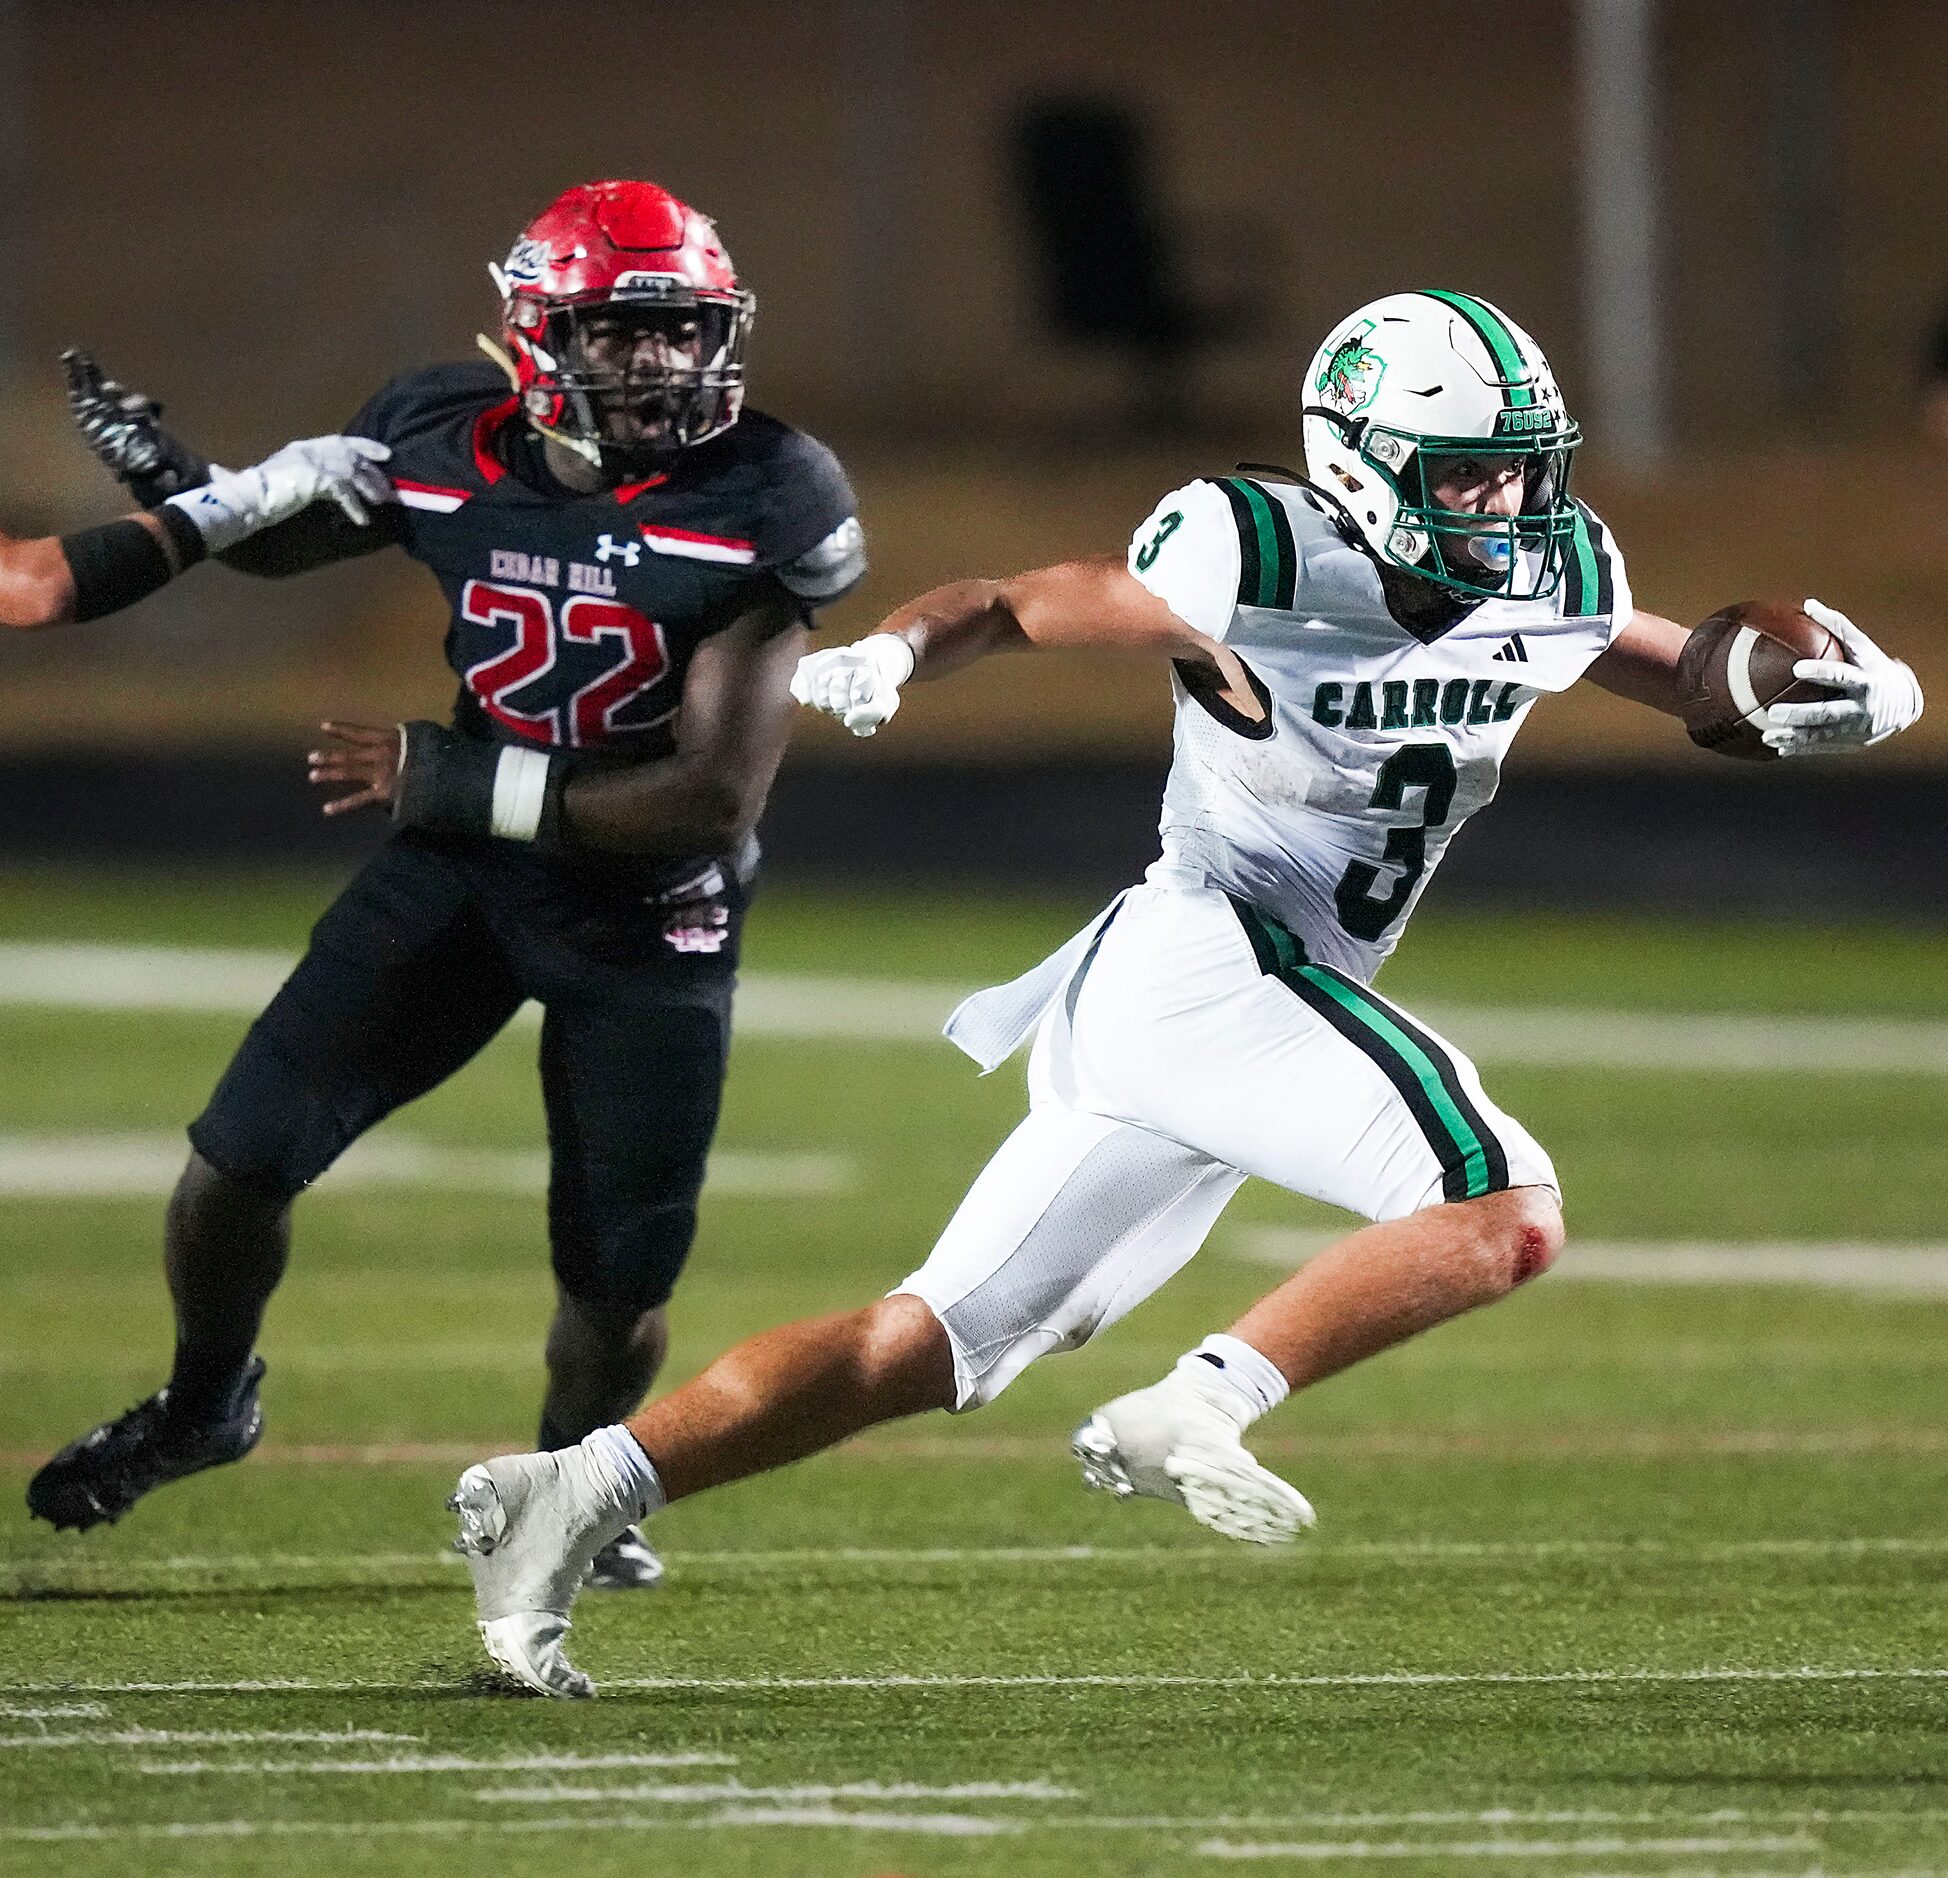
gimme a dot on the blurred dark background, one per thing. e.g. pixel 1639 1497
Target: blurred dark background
pixel 1025 268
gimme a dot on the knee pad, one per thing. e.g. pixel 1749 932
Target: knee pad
pixel 626 1265
pixel 267 1126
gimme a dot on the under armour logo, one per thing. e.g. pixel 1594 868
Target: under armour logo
pixel 607 547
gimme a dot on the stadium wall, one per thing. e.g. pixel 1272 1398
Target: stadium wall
pixel 1835 841
pixel 298 200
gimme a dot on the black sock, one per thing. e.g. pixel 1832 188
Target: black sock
pixel 206 1384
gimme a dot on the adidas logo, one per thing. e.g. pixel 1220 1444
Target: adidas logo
pixel 1514 653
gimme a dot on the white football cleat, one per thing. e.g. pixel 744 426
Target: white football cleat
pixel 530 1526
pixel 626 1563
pixel 1167 1442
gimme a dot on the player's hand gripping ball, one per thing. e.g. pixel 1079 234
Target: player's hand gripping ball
pixel 1761 680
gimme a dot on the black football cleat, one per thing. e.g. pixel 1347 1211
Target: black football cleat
pixel 98 1478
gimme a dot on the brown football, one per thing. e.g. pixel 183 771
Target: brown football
pixel 1739 662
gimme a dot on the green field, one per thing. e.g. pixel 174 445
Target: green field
pixel 1619 1577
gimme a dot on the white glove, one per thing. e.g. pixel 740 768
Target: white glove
pixel 859 684
pixel 1882 696
pixel 235 504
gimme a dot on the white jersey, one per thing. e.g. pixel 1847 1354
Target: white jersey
pixel 1332 815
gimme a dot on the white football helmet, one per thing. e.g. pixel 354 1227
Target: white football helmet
pixel 1418 379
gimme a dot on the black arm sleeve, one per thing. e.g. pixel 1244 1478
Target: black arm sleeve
pixel 324 533
pixel 314 537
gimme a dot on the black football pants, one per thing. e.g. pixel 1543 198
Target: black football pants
pixel 424 957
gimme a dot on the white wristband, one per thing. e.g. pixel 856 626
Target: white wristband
pixel 892 655
pixel 221 524
pixel 520 794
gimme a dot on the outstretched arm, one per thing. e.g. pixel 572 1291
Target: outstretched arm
pixel 1641 663
pixel 1096 604
pixel 50 579
pixel 125 431
pixel 1873 696
pixel 703 798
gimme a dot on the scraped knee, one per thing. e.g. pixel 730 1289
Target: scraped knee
pixel 1531 1232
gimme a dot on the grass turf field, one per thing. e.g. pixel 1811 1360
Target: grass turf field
pixel 1617 1577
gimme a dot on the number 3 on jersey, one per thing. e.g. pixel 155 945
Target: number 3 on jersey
pixel 1424 766
pixel 588 714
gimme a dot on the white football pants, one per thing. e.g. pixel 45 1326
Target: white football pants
pixel 1193 1047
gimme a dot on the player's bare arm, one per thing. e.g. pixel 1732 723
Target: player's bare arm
pixel 1641 664
pixel 1095 605
pixel 37 585
pixel 705 797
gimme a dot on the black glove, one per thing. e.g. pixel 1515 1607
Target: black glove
pixel 121 427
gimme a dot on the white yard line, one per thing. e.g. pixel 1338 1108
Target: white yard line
pixel 1270 1681
pixel 930 1825
pixel 1501 1848
pixel 1750 1042
pixel 1496 1816
pixel 1383 1679
pixel 1188 1557
pixel 107 1166
pixel 951 1823
pixel 59 1711
pixel 1905 1271
pixel 801 1007
pixel 736 1791
pixel 202 1737
pixel 451 1764
pixel 936 1825
pixel 81 976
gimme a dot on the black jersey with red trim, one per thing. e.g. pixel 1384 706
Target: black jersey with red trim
pixel 574 617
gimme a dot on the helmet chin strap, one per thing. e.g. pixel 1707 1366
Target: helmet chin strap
pixel 590 452
pixel 498 353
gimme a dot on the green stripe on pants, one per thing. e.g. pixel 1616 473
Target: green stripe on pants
pixel 1474 1155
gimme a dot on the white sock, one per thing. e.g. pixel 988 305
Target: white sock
pixel 624 1471
pixel 1231 1375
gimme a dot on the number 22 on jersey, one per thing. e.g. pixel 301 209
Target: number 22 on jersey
pixel 587 715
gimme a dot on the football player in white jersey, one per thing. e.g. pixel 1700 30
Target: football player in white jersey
pixel 1351 654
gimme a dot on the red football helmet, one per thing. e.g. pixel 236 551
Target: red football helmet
pixel 624 324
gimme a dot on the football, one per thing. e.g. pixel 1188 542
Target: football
pixel 1741 660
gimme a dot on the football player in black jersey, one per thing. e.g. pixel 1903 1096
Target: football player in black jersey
pixel 630 559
